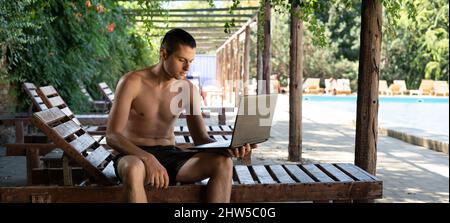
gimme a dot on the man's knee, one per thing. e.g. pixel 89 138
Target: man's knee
pixel 132 170
pixel 223 164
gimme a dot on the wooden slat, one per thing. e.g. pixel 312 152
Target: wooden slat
pixel 43 107
pixel 177 129
pixel 317 173
pixel 227 137
pixel 299 174
pixel 109 170
pixel 243 174
pixel 48 90
pixel 184 129
pixel 76 121
pixel 98 156
pixel 33 93
pixel 67 111
pixel 56 101
pixel 356 173
pixel 281 174
pixel 50 115
pixel 29 85
pixel 107 91
pixel 262 175
pixel 364 172
pixel 226 128
pixel 216 128
pixel 83 142
pixel 66 129
pixel 180 139
pixel 103 85
pixel 218 138
pixel 341 176
pixel 38 100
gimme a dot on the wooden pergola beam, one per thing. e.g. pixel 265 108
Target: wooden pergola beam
pixel 192 15
pixel 194 28
pixel 241 30
pixel 189 21
pixel 201 35
pixel 192 10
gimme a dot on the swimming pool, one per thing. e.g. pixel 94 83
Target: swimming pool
pixel 382 99
pixel 429 115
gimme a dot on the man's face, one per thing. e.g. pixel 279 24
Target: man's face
pixel 178 63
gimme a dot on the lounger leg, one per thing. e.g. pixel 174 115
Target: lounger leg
pixel 67 171
pixel 32 162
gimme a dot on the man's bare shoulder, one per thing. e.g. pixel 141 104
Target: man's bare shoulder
pixel 134 78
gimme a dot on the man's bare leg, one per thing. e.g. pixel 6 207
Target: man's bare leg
pixel 218 168
pixel 132 172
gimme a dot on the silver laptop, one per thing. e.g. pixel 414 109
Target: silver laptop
pixel 252 123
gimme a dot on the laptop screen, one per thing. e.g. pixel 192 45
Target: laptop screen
pixel 254 119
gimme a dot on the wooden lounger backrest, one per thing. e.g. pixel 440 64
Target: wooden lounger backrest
pixel 107 93
pixel 77 144
pixel 52 99
pixel 86 93
pixel 31 90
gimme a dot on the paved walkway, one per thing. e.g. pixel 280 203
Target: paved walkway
pixel 410 173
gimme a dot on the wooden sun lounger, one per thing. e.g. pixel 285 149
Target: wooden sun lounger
pixel 274 183
pixel 47 97
pixel 96 105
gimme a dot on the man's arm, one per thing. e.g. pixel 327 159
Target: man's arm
pixel 194 118
pixel 126 91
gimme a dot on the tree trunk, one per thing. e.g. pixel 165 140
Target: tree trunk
pixel 295 87
pixel 368 76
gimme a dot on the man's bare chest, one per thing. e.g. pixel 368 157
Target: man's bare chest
pixel 156 105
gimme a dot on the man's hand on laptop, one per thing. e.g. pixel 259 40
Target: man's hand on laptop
pixel 242 151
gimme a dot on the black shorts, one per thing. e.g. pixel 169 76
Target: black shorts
pixel 171 157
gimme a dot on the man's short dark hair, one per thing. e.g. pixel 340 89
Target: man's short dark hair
pixel 176 37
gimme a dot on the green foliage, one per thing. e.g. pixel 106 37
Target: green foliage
pixel 17 19
pixel 419 47
pixel 74 44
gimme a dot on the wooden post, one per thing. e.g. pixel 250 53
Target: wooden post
pixel 295 86
pixel 232 72
pixel 246 59
pixel 218 68
pixel 33 160
pixel 259 48
pixel 18 123
pixel 237 81
pixel 368 76
pixel 267 65
pixel 228 68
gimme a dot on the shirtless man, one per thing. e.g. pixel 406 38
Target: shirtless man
pixel 141 122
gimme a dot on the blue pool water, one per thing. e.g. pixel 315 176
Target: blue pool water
pixel 429 115
pixel 407 99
